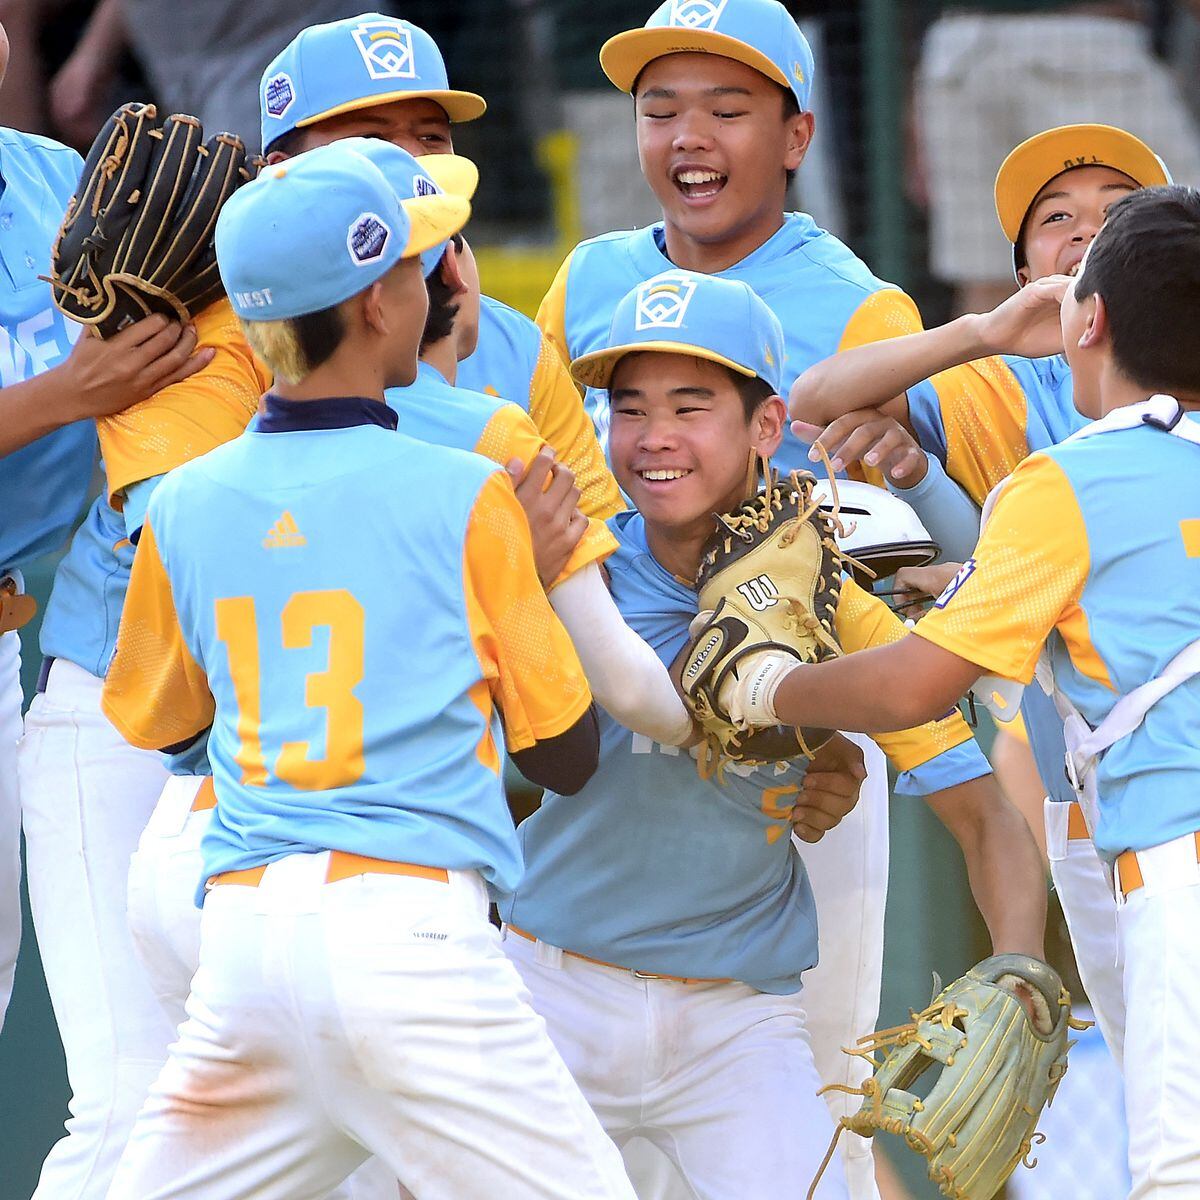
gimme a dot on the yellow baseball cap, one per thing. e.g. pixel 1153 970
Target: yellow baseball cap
pixel 454 174
pixel 1040 158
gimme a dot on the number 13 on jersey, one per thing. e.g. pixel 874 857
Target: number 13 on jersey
pixel 331 689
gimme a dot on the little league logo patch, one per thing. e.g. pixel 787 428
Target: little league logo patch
pixel 387 49
pixel 279 95
pixel 952 588
pixel 696 14
pixel 367 239
pixel 663 303
pixel 424 186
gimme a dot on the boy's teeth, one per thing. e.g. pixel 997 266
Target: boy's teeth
pixel 664 474
pixel 1074 270
pixel 698 177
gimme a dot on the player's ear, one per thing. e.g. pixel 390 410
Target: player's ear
pixel 799 137
pixel 371 308
pixel 1096 331
pixel 451 268
pixel 767 426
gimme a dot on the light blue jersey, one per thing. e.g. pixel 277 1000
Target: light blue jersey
pixel 823 294
pixel 1093 547
pixel 651 867
pixel 334 591
pixel 434 410
pixel 506 357
pixel 43 485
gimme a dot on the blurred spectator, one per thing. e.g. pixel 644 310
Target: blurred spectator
pixel 203 57
pixel 995 72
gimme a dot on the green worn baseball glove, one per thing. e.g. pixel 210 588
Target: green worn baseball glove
pixel 768 586
pixel 998 1070
pixel 137 237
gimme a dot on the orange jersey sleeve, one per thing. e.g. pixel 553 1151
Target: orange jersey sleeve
pixel 155 692
pixel 1025 578
pixel 885 314
pixel 189 418
pixel 526 655
pixel 863 621
pixel 552 312
pixel 511 434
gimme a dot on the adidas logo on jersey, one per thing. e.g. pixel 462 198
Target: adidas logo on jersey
pixel 285 532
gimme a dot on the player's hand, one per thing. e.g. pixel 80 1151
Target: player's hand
pixel 1027 323
pixel 101 377
pixel 917 587
pixel 870 436
pixel 830 790
pixel 547 492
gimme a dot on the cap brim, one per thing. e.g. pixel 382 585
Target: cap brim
pixel 625 55
pixel 1040 159
pixel 596 369
pixel 433 220
pixel 459 106
pixel 455 175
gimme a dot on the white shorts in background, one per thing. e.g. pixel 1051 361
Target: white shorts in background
pixel 1090 909
pixel 376 1014
pixel 718 1076
pixel 86 795
pixel 986 82
pixel 10 815
pixel 1157 926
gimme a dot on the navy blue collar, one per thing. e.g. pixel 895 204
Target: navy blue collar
pixel 333 412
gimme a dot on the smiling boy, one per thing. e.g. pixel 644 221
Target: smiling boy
pixel 665 920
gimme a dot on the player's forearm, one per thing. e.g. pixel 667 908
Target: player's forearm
pixel 870 375
pixel 872 691
pixel 945 510
pixel 33 408
pixel 1004 867
pixel 627 678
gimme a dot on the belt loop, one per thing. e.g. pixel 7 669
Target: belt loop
pixel 43 678
pixel 548 956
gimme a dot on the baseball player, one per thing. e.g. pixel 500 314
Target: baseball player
pixel 85 793
pixel 352 996
pixel 721 98
pixel 985 416
pixel 1067 557
pixel 664 925
pixel 381 77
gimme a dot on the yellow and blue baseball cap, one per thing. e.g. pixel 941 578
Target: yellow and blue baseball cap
pixel 427 175
pixel 703 316
pixel 320 228
pixel 760 33
pixel 355 63
pixel 1038 159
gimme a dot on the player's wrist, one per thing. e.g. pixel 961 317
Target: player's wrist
pixel 975 336
pixel 750 697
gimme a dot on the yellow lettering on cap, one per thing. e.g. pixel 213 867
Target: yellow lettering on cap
pixel 797 72
pixel 1191 537
pixel 769 356
pixel 663 287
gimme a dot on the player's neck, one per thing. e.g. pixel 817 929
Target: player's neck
pixel 345 374
pixel 1119 391
pixel 712 257
pixel 442 356
pixel 678 551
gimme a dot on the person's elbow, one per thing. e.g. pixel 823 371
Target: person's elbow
pixel 563 764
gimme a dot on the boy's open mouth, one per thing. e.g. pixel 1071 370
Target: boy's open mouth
pixel 663 474
pixel 698 183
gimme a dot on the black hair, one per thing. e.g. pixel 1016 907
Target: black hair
pixel 753 391
pixel 290 143
pixel 1145 264
pixel 442 308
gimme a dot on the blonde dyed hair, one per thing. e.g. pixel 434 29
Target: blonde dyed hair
pixel 278 345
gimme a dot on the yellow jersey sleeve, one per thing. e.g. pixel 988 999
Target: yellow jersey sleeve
pixel 189 418
pixel 984 417
pixel 511 434
pixel 884 314
pixel 155 692
pixel 1025 578
pixel 552 312
pixel 862 622
pixel 556 408
pixel 527 657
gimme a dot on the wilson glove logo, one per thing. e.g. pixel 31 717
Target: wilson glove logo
pixel 663 302
pixel 387 49
pixel 760 592
pixel 697 14
pixel 367 239
pixel 279 95
pixel 714 642
pixel 964 573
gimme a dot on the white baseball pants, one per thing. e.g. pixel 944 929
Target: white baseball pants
pixel 85 797
pixel 10 815
pixel 718 1076
pixel 376 1014
pixel 1090 908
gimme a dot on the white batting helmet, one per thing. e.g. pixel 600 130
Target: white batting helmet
pixel 882 531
